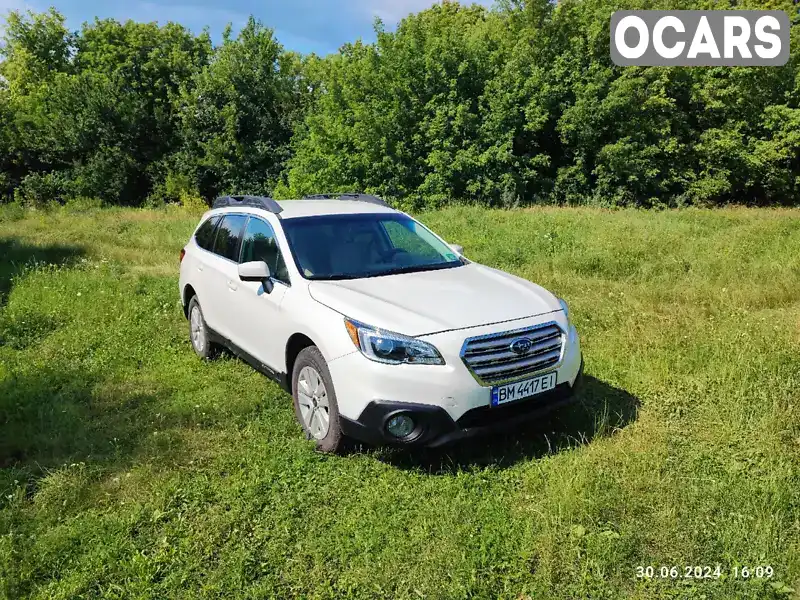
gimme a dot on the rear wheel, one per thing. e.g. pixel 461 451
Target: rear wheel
pixel 198 331
pixel 315 400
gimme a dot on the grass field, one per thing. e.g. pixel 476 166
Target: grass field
pixel 130 469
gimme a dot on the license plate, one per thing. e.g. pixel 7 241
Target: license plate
pixel 523 389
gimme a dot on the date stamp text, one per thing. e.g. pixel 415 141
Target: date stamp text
pixel 704 572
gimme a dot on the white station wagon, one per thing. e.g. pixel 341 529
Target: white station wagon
pixel 380 330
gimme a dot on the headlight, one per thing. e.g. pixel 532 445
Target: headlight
pixel 564 307
pixel 391 348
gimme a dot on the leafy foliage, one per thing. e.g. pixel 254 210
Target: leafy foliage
pixel 403 117
pixel 523 105
pixel 238 114
pixel 101 119
pixel 511 106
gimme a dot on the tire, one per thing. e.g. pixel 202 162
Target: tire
pixel 198 332
pixel 316 410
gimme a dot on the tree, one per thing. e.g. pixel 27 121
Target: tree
pixel 238 114
pixel 93 113
pixel 35 47
pixel 402 117
pixel 513 106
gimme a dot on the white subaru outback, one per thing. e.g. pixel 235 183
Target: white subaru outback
pixel 380 330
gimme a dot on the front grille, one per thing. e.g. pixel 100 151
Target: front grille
pixel 491 360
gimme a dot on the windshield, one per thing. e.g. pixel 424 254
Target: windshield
pixel 364 245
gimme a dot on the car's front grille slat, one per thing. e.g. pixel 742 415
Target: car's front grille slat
pixel 491 359
pixel 504 339
pixel 535 363
pixel 505 355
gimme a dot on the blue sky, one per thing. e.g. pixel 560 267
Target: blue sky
pixel 304 25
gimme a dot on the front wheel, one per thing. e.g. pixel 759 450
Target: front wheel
pixel 315 400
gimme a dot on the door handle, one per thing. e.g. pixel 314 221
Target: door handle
pixel 200 267
pixel 232 286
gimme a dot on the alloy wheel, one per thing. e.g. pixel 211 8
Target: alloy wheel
pixel 198 331
pixel 312 397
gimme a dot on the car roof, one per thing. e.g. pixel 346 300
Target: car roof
pixel 314 207
pixel 308 208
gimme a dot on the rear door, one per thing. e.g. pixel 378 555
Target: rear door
pixel 221 275
pixel 198 251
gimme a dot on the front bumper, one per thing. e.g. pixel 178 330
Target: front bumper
pixel 447 400
pixel 435 427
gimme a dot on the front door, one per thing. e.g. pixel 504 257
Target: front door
pixel 261 331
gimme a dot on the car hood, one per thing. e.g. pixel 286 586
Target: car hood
pixel 435 301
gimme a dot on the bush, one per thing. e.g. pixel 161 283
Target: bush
pixel 175 188
pixel 38 190
pixel 13 211
pixel 110 174
pixel 193 203
pixel 83 204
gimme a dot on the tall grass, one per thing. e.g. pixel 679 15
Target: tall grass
pixel 129 468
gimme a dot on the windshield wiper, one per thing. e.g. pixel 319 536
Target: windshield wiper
pixel 334 277
pixel 395 271
pixel 415 269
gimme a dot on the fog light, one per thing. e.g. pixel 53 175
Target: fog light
pixel 400 426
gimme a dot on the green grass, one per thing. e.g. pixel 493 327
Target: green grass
pixel 130 469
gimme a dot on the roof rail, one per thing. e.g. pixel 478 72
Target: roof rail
pixel 349 196
pixel 262 202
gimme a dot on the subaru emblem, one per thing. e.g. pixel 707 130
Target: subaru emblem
pixel 521 345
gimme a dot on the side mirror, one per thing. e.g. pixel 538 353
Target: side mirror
pixel 256 270
pixel 457 249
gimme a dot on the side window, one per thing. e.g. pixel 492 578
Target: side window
pixel 260 244
pixel 205 234
pixel 229 234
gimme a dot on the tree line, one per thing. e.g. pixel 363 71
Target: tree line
pixel 510 106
